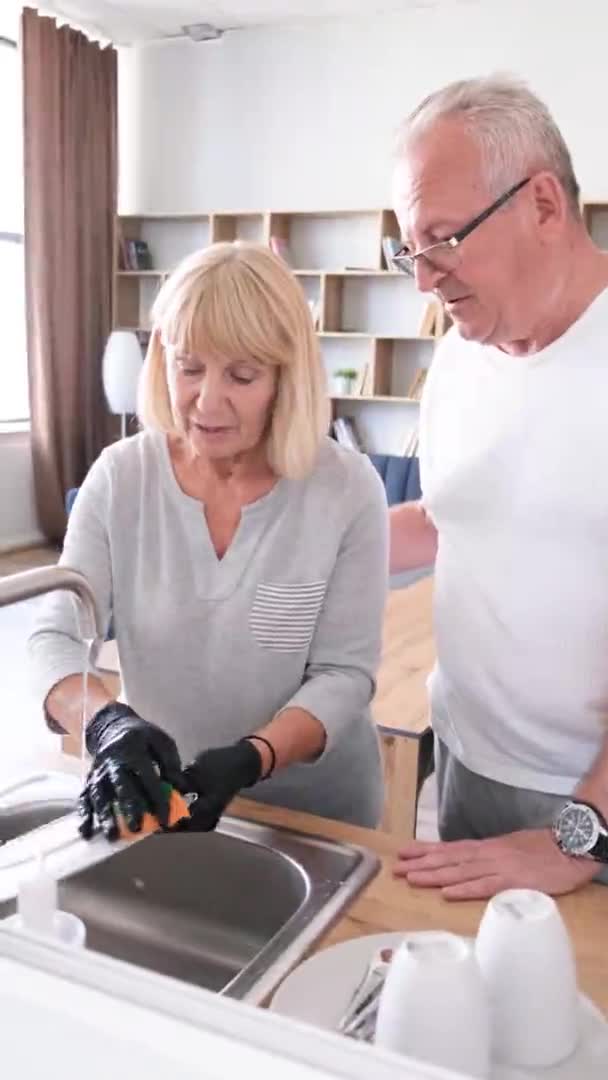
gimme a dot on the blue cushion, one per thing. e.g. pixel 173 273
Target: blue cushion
pixel 70 499
pixel 413 490
pixel 400 476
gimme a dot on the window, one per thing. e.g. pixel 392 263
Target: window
pixel 14 403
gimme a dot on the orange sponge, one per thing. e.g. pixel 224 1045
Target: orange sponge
pixel 178 810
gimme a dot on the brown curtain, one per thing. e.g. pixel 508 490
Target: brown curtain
pixel 70 202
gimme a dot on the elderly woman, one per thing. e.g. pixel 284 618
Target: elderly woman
pixel 243 557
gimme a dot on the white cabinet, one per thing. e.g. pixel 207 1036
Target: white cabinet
pixel 79 1015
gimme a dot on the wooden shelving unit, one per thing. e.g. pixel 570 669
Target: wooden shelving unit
pixel 391 399
pixel 595 216
pixel 142 273
pixel 369 316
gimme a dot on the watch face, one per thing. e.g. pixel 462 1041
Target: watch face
pixel 577 829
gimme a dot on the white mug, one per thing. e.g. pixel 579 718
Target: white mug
pixel 433 1005
pixel 526 959
pixel 66 928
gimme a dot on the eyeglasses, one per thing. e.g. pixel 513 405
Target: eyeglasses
pixel 444 255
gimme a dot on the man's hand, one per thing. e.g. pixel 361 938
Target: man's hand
pixel 413 538
pixel 478 869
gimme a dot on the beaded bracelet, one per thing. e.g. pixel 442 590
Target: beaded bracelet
pixel 273 756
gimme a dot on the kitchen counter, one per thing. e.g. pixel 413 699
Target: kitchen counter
pixel 388 904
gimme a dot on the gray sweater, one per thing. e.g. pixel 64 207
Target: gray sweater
pixel 211 649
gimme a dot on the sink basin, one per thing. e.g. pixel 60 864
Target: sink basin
pixel 30 802
pixel 22 818
pixel 231 911
pixel 216 909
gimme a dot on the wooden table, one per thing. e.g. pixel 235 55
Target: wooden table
pixel 400 707
pixel 389 904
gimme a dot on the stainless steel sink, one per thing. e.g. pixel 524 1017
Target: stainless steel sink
pixel 221 909
pixel 231 911
pixel 21 818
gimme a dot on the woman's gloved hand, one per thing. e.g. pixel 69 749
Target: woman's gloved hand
pixel 216 776
pixel 131 760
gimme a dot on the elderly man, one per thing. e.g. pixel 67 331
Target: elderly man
pixel 514 460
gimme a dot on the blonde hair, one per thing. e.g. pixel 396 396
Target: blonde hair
pixel 240 300
pixel 512 126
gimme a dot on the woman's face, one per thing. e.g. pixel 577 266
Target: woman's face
pixel 222 406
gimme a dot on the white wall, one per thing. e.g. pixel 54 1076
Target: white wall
pixel 18 522
pixel 303 116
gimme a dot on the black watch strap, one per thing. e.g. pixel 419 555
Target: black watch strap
pixel 599 850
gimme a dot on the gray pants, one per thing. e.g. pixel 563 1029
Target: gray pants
pixel 473 807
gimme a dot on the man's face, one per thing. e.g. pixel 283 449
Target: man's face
pixel 438 188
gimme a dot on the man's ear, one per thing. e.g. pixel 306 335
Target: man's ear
pixel 550 202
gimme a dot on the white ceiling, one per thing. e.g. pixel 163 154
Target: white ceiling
pixel 128 21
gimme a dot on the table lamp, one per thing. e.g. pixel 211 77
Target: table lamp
pixel 122 363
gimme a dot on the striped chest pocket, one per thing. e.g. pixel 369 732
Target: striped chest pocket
pixel 283 617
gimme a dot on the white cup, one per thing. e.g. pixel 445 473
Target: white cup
pixel 67 928
pixel 526 959
pixel 433 1005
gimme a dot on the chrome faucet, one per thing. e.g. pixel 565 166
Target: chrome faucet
pixel 46 579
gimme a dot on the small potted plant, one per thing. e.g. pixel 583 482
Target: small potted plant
pixel 343 382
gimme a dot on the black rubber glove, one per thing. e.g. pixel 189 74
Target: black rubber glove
pixel 131 759
pixel 217 776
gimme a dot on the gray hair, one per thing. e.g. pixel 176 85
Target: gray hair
pixel 512 126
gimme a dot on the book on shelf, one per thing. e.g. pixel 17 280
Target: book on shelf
pixel 432 323
pixel 345 432
pixel 410 445
pixel 315 312
pixel 360 383
pixel 390 246
pixel 279 245
pixel 367 383
pixel 426 327
pixel 143 336
pixel 123 258
pixel 135 255
pixel 441 320
pixel 417 384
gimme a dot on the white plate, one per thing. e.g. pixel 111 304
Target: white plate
pixel 319 990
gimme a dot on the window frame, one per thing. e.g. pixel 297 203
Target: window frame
pixel 17 423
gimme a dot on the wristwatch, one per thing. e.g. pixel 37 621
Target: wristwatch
pixel 581 829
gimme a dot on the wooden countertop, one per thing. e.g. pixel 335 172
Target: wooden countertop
pixel 388 904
